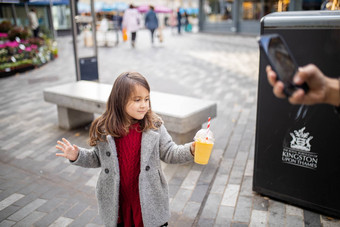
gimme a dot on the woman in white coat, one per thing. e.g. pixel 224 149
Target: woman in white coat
pixel 131 22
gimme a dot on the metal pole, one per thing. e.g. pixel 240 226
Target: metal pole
pixel 94 29
pixel 51 21
pixel 74 38
pixel 14 14
pixel 201 15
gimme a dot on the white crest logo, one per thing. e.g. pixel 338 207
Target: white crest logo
pixel 300 140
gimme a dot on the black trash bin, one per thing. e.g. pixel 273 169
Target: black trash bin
pixel 297 147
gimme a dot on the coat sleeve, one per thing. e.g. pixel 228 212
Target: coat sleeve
pixel 88 158
pixel 170 152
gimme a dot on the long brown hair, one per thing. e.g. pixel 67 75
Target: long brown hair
pixel 115 121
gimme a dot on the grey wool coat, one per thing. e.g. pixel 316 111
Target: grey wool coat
pixel 156 145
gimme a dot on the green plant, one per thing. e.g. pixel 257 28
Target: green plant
pixel 5 26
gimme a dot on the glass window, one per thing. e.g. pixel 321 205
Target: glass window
pixel 251 10
pixel 61 17
pixel 218 10
pixel 6 13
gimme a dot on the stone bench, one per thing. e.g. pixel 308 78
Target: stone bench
pixel 77 102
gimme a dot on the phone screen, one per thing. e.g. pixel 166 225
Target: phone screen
pixel 281 59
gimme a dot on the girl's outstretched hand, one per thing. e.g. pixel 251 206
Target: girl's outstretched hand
pixel 70 152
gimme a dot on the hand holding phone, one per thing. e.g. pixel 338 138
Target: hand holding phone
pixel 281 61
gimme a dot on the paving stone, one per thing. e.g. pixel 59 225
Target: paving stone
pixel 10 200
pixel 190 210
pixel 178 202
pixel 84 218
pixel 224 216
pixel 76 210
pixel 230 195
pixel 30 219
pixel 7 223
pixel 311 219
pixel 54 215
pixel 61 221
pixel 26 210
pixel 8 211
pixel 243 209
pixel 260 203
pixel 210 209
pixel 199 192
pixel 293 220
pixel 258 218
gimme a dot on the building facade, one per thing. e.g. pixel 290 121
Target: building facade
pixel 243 16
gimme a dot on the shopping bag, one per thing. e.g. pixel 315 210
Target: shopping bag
pixel 125 37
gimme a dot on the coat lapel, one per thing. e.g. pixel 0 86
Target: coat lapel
pixel 149 140
pixel 112 146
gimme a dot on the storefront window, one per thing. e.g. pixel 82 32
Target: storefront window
pixel 251 10
pixel 61 17
pixel 6 14
pixel 21 19
pixel 218 10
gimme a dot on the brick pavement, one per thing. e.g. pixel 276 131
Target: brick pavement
pixel 39 189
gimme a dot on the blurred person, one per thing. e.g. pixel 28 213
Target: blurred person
pixel 151 22
pixel 322 89
pixel 33 22
pixel 173 21
pixel 186 21
pixel 131 22
pixel 129 141
pixel 179 20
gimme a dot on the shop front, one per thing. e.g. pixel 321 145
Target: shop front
pixel 243 16
pixel 53 14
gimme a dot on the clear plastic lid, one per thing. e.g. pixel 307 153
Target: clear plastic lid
pixel 204 135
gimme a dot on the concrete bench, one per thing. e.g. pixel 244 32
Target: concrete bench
pixel 77 102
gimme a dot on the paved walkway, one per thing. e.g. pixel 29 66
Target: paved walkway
pixel 39 189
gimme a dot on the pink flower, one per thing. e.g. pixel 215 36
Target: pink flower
pixel 3 35
pixel 34 46
pixel 28 49
pixel 3 45
pixel 12 44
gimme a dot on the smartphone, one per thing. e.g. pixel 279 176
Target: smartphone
pixel 282 61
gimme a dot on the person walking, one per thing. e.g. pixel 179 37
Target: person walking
pixel 131 22
pixel 129 141
pixel 179 20
pixel 33 22
pixel 151 22
pixel 186 21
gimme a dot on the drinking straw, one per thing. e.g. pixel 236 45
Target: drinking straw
pixel 208 127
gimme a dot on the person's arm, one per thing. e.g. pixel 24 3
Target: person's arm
pixel 322 89
pixel 83 157
pixel 170 152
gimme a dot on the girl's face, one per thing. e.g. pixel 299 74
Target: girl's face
pixel 138 104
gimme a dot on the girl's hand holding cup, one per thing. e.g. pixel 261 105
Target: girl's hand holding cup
pixel 69 151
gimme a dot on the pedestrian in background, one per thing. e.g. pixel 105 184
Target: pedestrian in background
pixel 179 20
pixel 129 142
pixel 131 22
pixel 33 22
pixel 322 89
pixel 151 22
pixel 186 21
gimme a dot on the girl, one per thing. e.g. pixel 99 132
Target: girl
pixel 129 140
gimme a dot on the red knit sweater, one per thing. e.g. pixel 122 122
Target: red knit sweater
pixel 128 151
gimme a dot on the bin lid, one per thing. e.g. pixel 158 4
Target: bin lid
pixel 302 19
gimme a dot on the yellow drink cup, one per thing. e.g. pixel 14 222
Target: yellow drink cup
pixel 203 151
